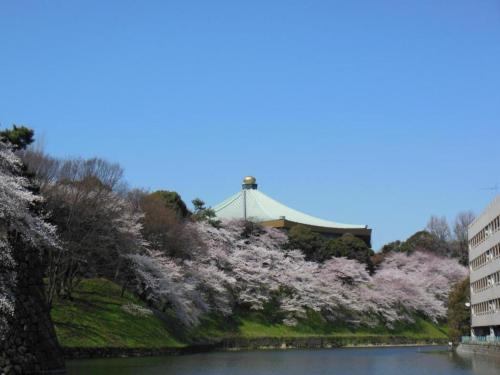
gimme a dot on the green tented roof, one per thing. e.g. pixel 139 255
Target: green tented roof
pixel 259 207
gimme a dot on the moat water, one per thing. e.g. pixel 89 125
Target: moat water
pixel 355 361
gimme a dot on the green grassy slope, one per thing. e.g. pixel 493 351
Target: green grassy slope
pixel 96 318
pixel 254 325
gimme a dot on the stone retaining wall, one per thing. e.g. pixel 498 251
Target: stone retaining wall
pixel 31 345
pixel 321 342
pixel 86 353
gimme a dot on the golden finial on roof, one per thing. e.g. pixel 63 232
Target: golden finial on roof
pixel 249 180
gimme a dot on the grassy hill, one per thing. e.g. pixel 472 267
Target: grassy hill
pixel 98 316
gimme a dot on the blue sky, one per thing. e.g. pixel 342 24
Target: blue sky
pixel 376 112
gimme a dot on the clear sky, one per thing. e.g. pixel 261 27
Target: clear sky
pixel 366 112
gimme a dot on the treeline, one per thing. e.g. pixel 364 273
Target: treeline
pixel 188 263
pixel 101 223
pixel 318 248
pixel 439 238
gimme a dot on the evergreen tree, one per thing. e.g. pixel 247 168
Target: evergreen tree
pixel 173 201
pixel 458 311
pixel 19 137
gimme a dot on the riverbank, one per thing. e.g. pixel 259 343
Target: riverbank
pixel 100 322
pixel 274 343
pixel 241 345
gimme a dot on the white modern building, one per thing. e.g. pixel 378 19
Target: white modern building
pixel 251 204
pixel 484 263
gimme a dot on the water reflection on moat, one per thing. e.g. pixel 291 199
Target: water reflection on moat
pixel 354 361
pixel 480 364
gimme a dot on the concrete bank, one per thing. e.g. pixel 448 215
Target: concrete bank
pixel 491 350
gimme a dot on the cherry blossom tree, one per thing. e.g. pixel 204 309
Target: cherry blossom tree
pixel 419 282
pixel 19 221
pixel 404 285
pixel 190 289
pixel 164 284
pixel 247 266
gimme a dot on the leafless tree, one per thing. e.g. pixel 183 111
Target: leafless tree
pixel 460 227
pixel 97 224
pixel 48 170
pixel 44 167
pixel 166 231
pixel 438 226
